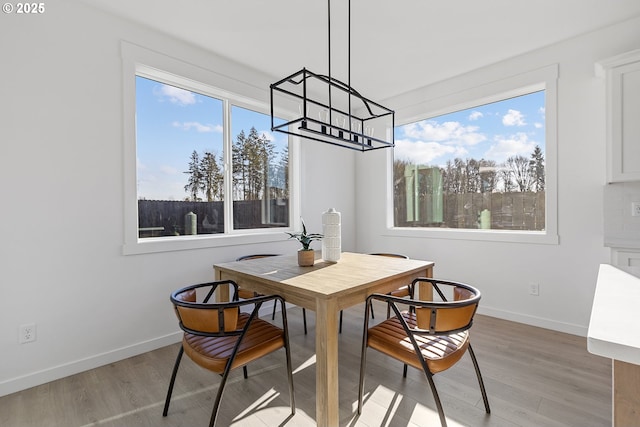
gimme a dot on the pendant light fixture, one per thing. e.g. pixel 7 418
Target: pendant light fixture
pixel 329 110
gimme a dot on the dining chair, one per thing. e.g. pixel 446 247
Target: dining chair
pixel 220 337
pixel 432 337
pixel 243 293
pixel 401 292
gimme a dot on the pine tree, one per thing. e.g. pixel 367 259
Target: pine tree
pixel 194 182
pixel 536 164
pixel 211 177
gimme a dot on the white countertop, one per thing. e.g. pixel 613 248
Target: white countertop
pixel 614 328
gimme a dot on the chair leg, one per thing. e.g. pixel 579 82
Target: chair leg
pixel 273 315
pixel 171 383
pixel 363 364
pixel 340 328
pixel 304 319
pixel 479 375
pixel 244 372
pixel 287 349
pixel 292 399
pixel 363 357
pixel 216 405
pixel 371 304
pixel 436 397
pixel 404 371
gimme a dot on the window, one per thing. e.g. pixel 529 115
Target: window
pixel 481 167
pixel 484 170
pixel 181 152
pixel 202 167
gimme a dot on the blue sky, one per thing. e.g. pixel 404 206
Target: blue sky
pixel 170 124
pixel 493 131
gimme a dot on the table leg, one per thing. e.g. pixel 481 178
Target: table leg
pixel 425 290
pixel 222 293
pixel 327 400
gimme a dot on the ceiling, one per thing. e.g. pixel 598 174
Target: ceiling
pixel 396 46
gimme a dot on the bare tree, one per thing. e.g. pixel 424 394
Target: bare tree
pixel 520 172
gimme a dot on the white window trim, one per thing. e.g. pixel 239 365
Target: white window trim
pixel 546 79
pixel 193 75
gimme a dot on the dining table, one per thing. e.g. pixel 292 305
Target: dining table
pixel 326 288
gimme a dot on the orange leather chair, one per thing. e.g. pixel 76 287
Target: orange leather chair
pixel 220 337
pixel 430 335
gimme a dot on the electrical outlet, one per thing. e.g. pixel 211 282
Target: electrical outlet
pixel 635 208
pixel 27 333
pixel 534 289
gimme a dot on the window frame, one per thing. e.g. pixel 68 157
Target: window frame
pixel 479 94
pixel 138 61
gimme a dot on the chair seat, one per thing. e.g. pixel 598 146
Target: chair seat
pixel 213 352
pixel 440 351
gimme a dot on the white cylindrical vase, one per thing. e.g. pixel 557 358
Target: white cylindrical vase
pixel 331 242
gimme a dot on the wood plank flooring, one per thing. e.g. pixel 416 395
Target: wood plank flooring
pixel 534 377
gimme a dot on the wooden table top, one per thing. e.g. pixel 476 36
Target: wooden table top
pixel 324 279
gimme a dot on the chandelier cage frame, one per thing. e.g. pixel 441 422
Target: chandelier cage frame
pixel 330 110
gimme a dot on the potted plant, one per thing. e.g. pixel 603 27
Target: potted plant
pixel 306 255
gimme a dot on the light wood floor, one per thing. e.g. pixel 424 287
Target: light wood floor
pixel 534 377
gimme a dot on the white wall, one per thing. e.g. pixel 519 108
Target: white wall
pixel 61 170
pixel 61 183
pixel 566 273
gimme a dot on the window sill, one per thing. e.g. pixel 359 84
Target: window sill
pixel 509 236
pixel 180 243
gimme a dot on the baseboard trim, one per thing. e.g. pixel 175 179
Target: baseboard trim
pixel 540 322
pixel 13 385
pixel 23 382
pixel 33 379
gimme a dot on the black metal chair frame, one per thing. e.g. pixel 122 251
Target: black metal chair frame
pixel 412 332
pixel 219 309
pixel 275 306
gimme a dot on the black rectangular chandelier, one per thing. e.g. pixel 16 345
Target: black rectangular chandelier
pixel 329 110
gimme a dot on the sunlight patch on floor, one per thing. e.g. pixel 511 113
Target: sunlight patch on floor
pixel 309 362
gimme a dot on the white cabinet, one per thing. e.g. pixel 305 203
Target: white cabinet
pixel 622 74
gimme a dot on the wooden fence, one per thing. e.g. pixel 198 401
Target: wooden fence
pixel 167 217
pixel 507 211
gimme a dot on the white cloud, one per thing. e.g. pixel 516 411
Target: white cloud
pixel 168 170
pixel 513 118
pixel 518 144
pixel 475 115
pixel 425 153
pixel 176 95
pixel 449 133
pixel 198 127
